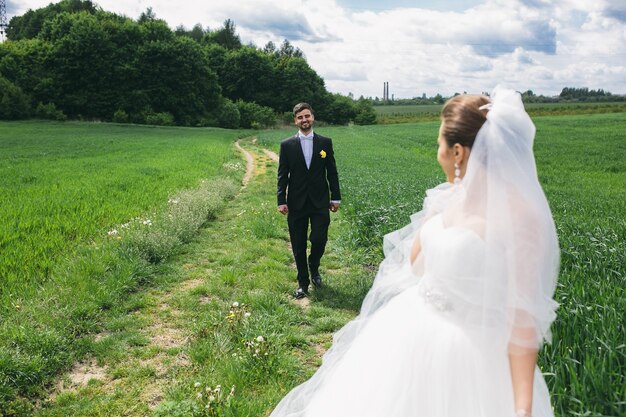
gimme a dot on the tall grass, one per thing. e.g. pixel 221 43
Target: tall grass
pixel 384 171
pixel 62 184
pixel 119 238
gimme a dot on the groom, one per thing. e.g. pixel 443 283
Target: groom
pixel 308 187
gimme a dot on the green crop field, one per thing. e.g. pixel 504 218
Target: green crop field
pixel 64 279
pixel 62 184
pixel 65 189
pixel 402 113
pixel 385 171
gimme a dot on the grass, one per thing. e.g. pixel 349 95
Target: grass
pixel 185 330
pixel 391 114
pixel 48 320
pixel 384 171
pixel 63 184
pixel 179 327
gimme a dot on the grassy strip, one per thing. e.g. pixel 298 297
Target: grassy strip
pixel 227 296
pixel 64 184
pixel 47 333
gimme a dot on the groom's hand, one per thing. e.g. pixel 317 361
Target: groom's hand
pixel 333 207
pixel 283 209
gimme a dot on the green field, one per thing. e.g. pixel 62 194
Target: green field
pixel 385 170
pixel 65 190
pixel 90 285
pixel 390 114
pixel 69 183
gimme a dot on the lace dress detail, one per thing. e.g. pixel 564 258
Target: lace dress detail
pixel 435 298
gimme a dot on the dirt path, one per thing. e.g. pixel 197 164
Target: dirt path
pixel 162 338
pixel 271 155
pixel 249 163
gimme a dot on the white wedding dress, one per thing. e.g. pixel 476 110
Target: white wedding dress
pixel 433 337
pixel 414 359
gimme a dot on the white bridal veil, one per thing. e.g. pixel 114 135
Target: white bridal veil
pixel 508 306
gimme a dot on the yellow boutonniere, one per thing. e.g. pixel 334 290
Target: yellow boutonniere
pixel 323 154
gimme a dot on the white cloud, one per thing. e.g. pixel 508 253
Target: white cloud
pixel 541 45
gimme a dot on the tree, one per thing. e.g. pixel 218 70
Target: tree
pixel 366 114
pixel 269 48
pixel 26 64
pixel 82 61
pixel 147 16
pixel 226 36
pixel 338 109
pixel 14 104
pixel 254 116
pixel 288 50
pixel 248 75
pixel 176 78
pixel 30 23
pixel 228 115
pixel 296 81
pixel 196 33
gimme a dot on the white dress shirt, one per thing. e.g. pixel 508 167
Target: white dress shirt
pixel 306 141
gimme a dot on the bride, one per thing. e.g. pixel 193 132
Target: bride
pixel 463 300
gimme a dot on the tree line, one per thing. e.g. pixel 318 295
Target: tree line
pixel 72 59
pixel 567 95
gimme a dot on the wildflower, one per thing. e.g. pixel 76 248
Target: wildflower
pixel 212 398
pixel 197 384
pixel 147 222
pixel 260 339
pixel 235 304
pixel 247 315
pixel 112 232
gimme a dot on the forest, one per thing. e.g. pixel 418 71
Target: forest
pixel 73 60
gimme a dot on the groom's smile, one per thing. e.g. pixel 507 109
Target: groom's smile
pixel 304 121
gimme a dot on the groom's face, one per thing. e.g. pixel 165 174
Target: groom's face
pixel 304 120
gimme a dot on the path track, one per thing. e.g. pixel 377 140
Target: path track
pixel 159 324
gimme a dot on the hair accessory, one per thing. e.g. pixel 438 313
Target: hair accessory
pixel 487 106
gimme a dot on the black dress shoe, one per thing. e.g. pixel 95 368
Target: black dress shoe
pixel 300 293
pixel 316 280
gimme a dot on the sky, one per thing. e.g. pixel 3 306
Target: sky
pixel 422 47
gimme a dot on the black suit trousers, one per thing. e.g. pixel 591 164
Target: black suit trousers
pixel 298 221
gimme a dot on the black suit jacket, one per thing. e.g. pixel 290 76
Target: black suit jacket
pixel 295 182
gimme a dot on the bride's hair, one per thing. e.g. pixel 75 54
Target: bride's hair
pixel 462 119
